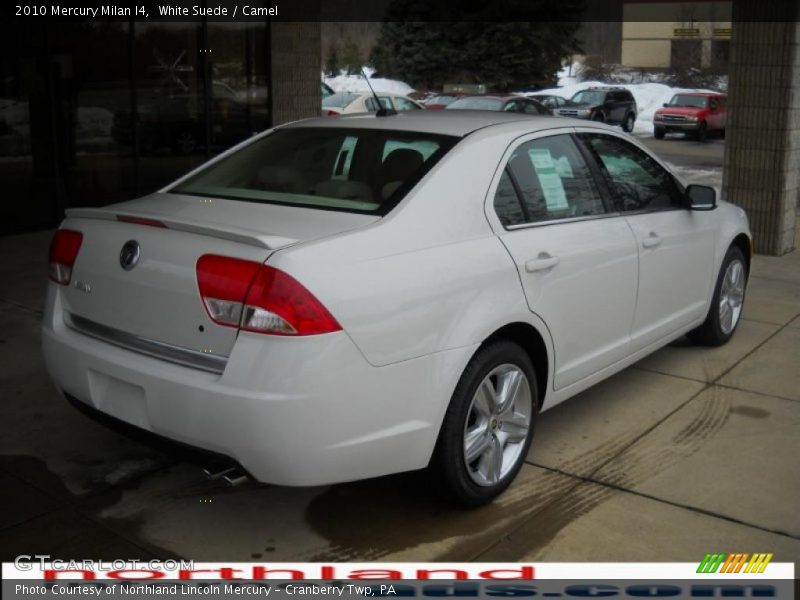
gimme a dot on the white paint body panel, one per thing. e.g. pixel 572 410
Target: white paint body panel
pixel 416 293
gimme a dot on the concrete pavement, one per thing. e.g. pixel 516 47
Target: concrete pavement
pixel 690 450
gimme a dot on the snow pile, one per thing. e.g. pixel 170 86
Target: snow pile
pixel 568 75
pixel 648 96
pixel 357 83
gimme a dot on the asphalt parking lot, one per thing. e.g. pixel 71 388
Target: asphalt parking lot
pixel 689 451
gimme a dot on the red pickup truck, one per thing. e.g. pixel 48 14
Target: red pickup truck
pixel 693 113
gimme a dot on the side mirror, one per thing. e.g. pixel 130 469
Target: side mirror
pixel 665 105
pixel 701 197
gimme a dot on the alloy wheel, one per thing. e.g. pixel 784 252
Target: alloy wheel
pixel 497 425
pixel 731 297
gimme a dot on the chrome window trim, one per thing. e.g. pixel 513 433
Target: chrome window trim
pixel 212 363
pixel 563 221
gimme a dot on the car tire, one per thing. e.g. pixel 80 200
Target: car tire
pixel 702 132
pixel 725 311
pixel 722 133
pixel 486 435
pixel 599 117
pixel 627 124
pixel 659 133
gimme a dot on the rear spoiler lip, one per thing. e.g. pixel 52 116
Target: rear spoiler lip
pixel 235 234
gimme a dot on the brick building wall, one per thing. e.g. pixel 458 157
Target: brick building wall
pixel 762 155
pixel 296 66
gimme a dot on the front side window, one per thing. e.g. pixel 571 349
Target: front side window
pixel 353 170
pixel 550 180
pixel 637 180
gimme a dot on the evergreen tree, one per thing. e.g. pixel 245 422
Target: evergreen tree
pixel 506 44
pixel 351 57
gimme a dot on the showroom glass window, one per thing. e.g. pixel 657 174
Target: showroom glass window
pixel 550 180
pixel 638 182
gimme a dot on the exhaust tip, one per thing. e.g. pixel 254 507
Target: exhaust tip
pixel 215 473
pixel 235 477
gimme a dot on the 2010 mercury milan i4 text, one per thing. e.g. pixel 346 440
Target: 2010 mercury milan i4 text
pixel 339 299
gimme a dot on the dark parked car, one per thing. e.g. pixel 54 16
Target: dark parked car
pixel 519 104
pixel 612 105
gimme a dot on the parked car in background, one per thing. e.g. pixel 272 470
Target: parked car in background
pixel 345 298
pixel 440 101
pixel 357 102
pixel 612 105
pixel 518 104
pixel 551 101
pixel 696 114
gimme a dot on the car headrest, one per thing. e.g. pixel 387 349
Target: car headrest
pixel 344 190
pixel 282 179
pixel 400 164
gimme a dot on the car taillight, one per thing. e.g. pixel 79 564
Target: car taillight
pixel 332 113
pixel 256 297
pixel 63 252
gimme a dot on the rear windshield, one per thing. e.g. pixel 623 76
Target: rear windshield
pixel 477 103
pixel 339 100
pixel 353 170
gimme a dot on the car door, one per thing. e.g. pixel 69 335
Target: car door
pixel 576 261
pixel 619 106
pixel 675 245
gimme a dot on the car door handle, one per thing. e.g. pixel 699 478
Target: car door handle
pixel 543 262
pixel 652 240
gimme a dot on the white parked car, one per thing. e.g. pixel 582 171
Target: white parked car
pixel 338 299
pixel 357 102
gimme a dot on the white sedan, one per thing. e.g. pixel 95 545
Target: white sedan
pixel 357 102
pixel 339 299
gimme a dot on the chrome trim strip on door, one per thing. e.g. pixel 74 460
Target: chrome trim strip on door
pixel 213 363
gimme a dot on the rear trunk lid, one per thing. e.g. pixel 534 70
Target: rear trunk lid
pixel 156 302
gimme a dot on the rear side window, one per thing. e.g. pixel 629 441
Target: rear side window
pixel 550 180
pixel 354 170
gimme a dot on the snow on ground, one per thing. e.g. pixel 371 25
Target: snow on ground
pixel 648 96
pixel 356 83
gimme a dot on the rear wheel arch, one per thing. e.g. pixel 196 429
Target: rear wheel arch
pixel 742 241
pixel 529 339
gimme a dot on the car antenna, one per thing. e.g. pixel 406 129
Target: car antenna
pixel 382 110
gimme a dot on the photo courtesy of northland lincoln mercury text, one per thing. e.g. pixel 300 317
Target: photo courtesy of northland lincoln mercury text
pixel 336 299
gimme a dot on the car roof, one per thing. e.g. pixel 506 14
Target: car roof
pixel 456 122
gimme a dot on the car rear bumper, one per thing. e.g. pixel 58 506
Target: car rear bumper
pixel 292 411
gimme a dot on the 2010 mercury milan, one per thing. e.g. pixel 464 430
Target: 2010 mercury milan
pixel 344 298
